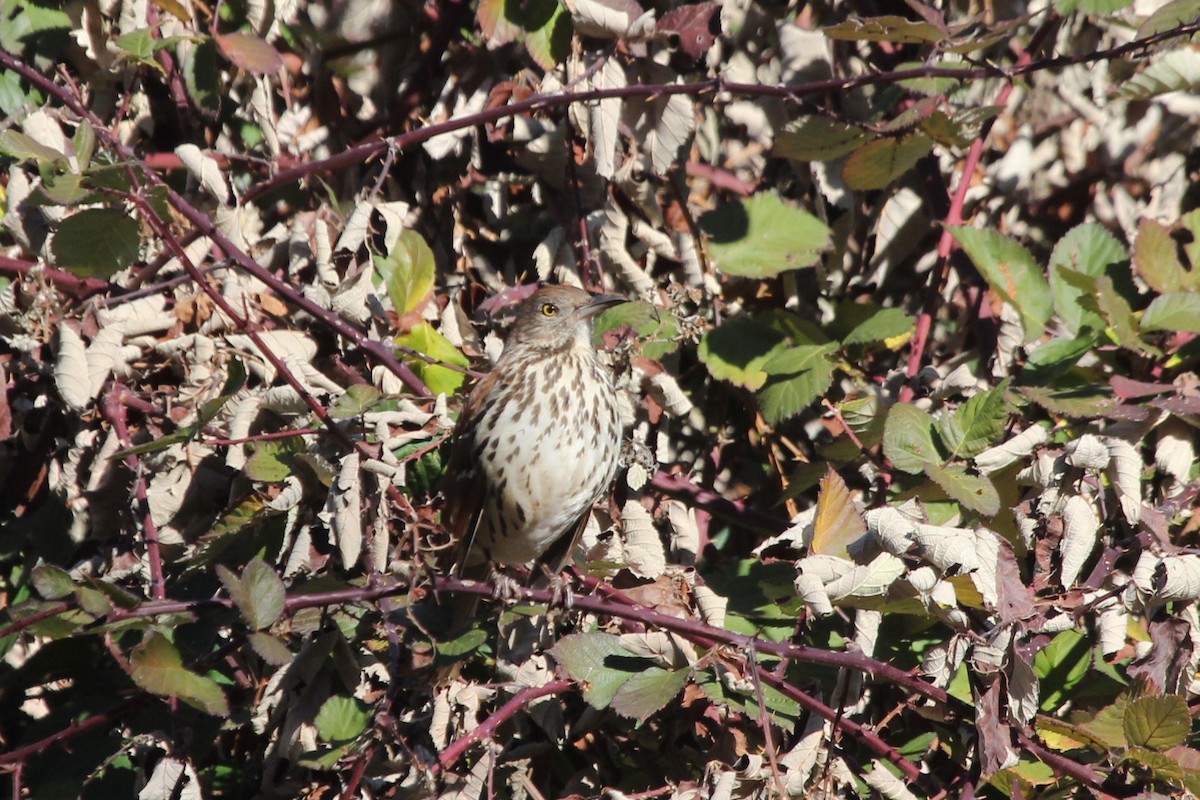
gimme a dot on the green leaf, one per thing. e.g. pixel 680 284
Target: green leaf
pixel 424 338
pixel 341 719
pixel 52 582
pixel 1075 401
pixel 273 460
pixel 888 323
pixel 1011 273
pixel 357 400
pixel 157 667
pixel 598 663
pixel 876 164
pixel 1089 250
pixel 201 75
pixel 885 29
pixel 1119 315
pixel 1173 71
pixel 657 330
pixel 973 492
pixel 549 29
pixel 26 148
pixel 908 439
pixel 1156 259
pixel 1098 8
pixel 1057 355
pixel 975 424
pixel 795 378
pixel 408 271
pixel 1174 311
pixel 817 139
pixel 1108 726
pixel 462 645
pixel 1158 722
pixel 1169 16
pixel 763 236
pixel 1061 666
pixel 259 594
pixel 270 649
pixel 648 691
pixel 96 242
pixel 738 349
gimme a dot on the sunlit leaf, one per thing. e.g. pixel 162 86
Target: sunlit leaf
pixel 763 236
pixel 157 667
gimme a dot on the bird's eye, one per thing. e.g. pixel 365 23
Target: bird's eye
pixel 549 310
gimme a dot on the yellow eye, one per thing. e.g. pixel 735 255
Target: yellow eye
pixel 549 310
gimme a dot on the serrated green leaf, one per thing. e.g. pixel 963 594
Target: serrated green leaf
pixel 259 594
pixel 1089 250
pixel 598 663
pixel 408 271
pixel 1158 722
pixel 424 338
pixel 157 667
pixel 817 139
pixel 1011 273
pixel 1173 71
pixel 1174 311
pixel 648 691
pixel 876 164
pixel 270 649
pixel 357 400
pixel 341 719
pixel 888 323
pixel 973 492
pixel 51 582
pixel 273 460
pixel 1108 725
pixel 908 439
pixel 656 329
pixel 96 242
pixel 1169 16
pixel 975 424
pixel 737 350
pixel 763 236
pixel 795 378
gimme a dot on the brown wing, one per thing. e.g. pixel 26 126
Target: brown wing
pixel 463 485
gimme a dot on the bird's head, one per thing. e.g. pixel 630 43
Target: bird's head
pixel 557 317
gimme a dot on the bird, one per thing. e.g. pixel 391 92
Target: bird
pixel 536 444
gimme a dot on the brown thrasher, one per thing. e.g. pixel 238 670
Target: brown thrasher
pixel 537 441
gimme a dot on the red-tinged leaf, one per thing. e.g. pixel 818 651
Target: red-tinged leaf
pixel 692 29
pixel 250 53
pixel 1180 406
pixel 1128 388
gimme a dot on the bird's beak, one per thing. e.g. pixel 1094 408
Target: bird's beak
pixel 600 303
